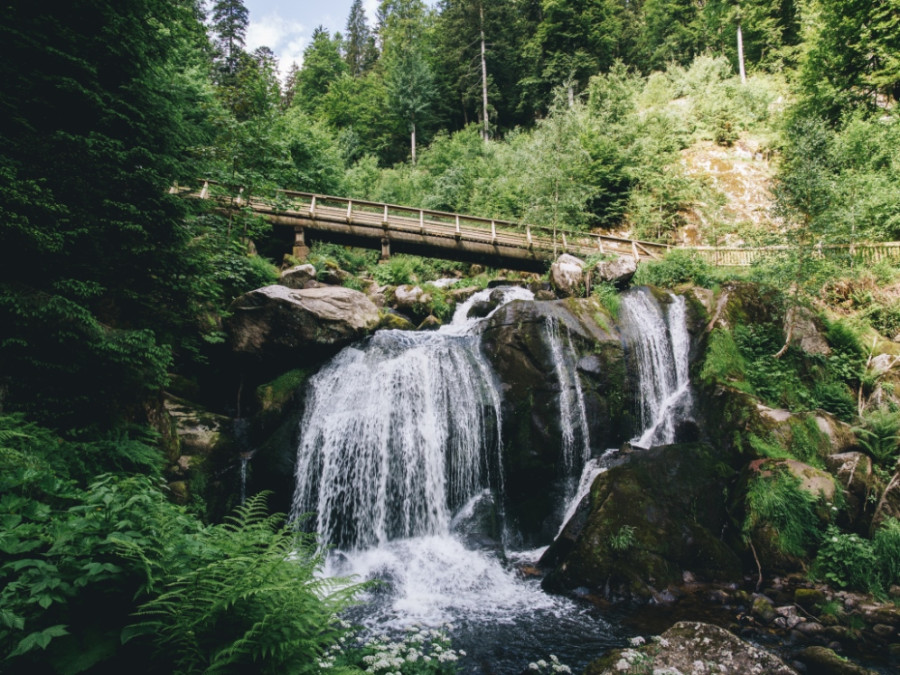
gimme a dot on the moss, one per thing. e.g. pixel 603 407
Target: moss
pixel 275 395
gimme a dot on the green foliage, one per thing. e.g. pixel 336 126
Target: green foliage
pixel 879 435
pixel 250 599
pixel 352 260
pixel 778 502
pixel 396 271
pixel 886 544
pixel 678 267
pixel 608 295
pixel 723 362
pixel 849 561
pixel 623 540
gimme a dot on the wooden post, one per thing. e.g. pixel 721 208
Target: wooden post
pixel 565 243
pixel 301 250
pixel 493 232
pixel 204 193
pixel 240 197
pixel 457 225
pixel 385 248
pixel 600 244
pixel 528 235
pixel 312 207
pixel 384 220
pixel 634 251
pixel 421 221
pixel 349 211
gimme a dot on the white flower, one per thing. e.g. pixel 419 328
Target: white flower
pixel 462 652
pixel 542 663
pixel 622 665
pixel 636 641
pixel 533 666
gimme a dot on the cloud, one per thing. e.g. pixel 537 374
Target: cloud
pixel 284 37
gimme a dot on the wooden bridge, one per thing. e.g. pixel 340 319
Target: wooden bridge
pixel 436 234
pixel 493 242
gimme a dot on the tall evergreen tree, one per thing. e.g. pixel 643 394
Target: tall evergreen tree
pixel 322 64
pixel 230 19
pixel 99 107
pixel 359 43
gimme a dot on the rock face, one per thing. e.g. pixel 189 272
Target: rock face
pixel 516 342
pixel 567 275
pixel 645 523
pixel 280 323
pixel 617 271
pixel 691 647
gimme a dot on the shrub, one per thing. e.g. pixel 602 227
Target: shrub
pixel 886 544
pixel 879 435
pixel 723 361
pixel 608 296
pixel 678 267
pixel 778 501
pixel 848 561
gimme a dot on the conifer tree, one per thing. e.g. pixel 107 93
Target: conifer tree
pixel 359 43
pixel 230 19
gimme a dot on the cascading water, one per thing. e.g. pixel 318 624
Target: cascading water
pixel 399 464
pixel 576 442
pixel 658 340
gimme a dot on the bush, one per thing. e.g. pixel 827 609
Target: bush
pixel 848 561
pixel 886 544
pixel 723 362
pixel 779 502
pixel 678 267
pixel 879 435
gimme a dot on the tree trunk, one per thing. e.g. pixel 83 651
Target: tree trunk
pixel 740 48
pixel 412 141
pixel 484 91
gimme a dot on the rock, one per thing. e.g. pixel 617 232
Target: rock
pixel 431 322
pixel 333 276
pixel 691 647
pixel 618 271
pixel 883 631
pixel 408 297
pixel 662 495
pixel 809 598
pixel 567 275
pixel 808 331
pixel 200 432
pixel 544 295
pixel 763 609
pixel 378 294
pixel 812 480
pixel 297 276
pixel 276 323
pixel 809 628
pixel 391 320
pixel 459 295
pixel 482 308
pixel 824 661
pixel 881 363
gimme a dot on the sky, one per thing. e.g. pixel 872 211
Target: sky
pixel 286 26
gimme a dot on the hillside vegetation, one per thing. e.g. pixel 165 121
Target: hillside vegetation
pixel 627 117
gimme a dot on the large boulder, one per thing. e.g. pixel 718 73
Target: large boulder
pixel 298 325
pixel 618 271
pixel 645 523
pixel 567 275
pixel 691 647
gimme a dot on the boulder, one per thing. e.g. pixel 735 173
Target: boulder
pixel 617 271
pixel 691 647
pixel 298 276
pixel 816 482
pixel 567 275
pixel 808 331
pixel 408 297
pixel 661 501
pixel 275 322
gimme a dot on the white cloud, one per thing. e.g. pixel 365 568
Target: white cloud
pixel 284 37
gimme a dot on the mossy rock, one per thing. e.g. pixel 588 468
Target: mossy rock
pixel 392 320
pixel 672 500
pixel 274 397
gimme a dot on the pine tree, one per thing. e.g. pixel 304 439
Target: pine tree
pixel 322 64
pixel 359 44
pixel 230 19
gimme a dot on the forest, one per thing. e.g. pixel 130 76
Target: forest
pixel 607 116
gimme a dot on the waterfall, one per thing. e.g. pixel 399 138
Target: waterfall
pixel 399 432
pixel 576 442
pixel 658 341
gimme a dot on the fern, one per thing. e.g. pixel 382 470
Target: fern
pixel 252 600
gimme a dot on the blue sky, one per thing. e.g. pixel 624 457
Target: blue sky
pixel 286 26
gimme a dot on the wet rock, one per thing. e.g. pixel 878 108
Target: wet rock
pixel 824 661
pixel 662 497
pixel 297 276
pixel 409 298
pixel 393 320
pixel 544 295
pixel 567 275
pixel 809 598
pixel 430 322
pixel 277 323
pixel 691 647
pixel 763 609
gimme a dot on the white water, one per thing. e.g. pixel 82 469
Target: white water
pixel 659 341
pixel 576 442
pixel 592 468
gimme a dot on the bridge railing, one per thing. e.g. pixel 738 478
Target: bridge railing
pixel 746 256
